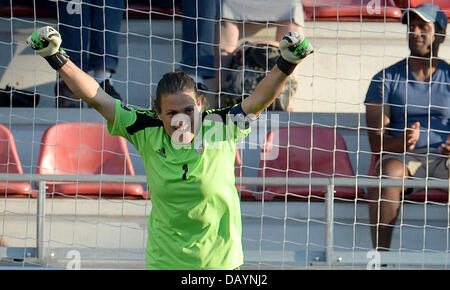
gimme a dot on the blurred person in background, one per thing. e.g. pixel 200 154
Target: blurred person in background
pixel 242 19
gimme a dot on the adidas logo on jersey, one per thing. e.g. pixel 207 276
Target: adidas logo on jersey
pixel 162 152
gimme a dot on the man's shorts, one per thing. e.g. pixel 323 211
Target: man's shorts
pixel 421 165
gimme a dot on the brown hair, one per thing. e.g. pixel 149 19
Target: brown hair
pixel 176 82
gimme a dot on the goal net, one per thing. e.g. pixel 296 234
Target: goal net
pixel 72 196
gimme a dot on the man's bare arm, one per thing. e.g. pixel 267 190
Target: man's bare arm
pixel 378 118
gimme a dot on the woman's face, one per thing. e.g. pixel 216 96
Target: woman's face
pixel 421 37
pixel 179 114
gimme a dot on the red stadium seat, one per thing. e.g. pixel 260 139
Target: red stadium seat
pixel 299 152
pixel 10 163
pixel 433 194
pixel 351 10
pixel 444 4
pixel 133 9
pixel 86 149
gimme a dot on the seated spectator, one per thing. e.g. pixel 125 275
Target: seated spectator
pixel 91 38
pixel 408 118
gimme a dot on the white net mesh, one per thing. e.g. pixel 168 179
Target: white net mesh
pixel 289 219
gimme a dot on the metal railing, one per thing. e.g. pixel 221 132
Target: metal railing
pixel 329 183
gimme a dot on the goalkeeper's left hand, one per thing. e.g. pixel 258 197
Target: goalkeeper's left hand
pixel 294 47
pixel 46 41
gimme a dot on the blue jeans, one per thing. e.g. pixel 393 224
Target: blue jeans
pixel 198 37
pixel 92 28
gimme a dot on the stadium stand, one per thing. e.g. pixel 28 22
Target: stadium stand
pixel 311 154
pixel 10 163
pixel 85 149
pixel 351 10
pixel 444 4
pixel 135 8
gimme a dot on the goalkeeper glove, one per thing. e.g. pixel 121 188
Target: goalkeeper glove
pixel 46 41
pixel 294 48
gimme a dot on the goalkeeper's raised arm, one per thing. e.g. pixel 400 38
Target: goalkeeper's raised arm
pixel 294 48
pixel 46 41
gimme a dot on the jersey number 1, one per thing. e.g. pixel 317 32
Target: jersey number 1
pixel 185 168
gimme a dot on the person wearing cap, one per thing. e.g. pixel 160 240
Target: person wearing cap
pixel 408 118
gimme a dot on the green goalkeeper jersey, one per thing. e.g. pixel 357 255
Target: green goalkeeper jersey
pixel 195 221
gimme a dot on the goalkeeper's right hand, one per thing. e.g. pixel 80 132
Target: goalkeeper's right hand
pixel 294 47
pixel 46 41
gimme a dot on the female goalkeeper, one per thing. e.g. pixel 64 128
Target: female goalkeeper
pixel 188 153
